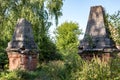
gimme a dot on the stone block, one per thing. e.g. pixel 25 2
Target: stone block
pixel 97 36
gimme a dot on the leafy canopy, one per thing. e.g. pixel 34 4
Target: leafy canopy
pixel 67 36
pixel 113 21
pixel 38 12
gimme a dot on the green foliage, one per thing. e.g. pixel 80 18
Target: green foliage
pixel 72 68
pixel 114 26
pixel 18 75
pixel 49 51
pixel 54 7
pixel 115 68
pixel 67 36
pixel 35 11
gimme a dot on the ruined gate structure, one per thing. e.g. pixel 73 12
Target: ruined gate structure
pixel 97 40
pixel 22 50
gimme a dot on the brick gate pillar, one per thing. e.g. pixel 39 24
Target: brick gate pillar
pixel 22 50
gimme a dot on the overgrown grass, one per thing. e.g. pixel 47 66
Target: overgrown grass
pixel 72 68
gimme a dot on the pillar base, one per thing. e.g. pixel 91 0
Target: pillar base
pixel 102 56
pixel 22 61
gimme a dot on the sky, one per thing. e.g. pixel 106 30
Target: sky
pixel 78 11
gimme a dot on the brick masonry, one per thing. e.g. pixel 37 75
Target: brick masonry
pixel 22 61
pixel 102 56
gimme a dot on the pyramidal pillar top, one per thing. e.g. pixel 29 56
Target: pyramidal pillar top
pixel 96 22
pixel 97 36
pixel 22 38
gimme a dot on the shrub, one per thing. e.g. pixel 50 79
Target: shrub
pixel 71 68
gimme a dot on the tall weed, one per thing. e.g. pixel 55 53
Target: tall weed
pixel 71 68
